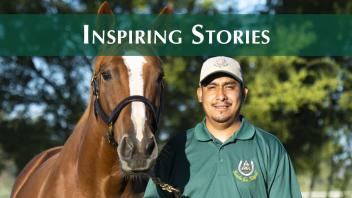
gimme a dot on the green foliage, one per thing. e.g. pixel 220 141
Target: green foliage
pixel 53 87
pixel 291 96
pixel 305 101
pixel 181 110
pixel 21 139
pixel 310 6
pixel 300 37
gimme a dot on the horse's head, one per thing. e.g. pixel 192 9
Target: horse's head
pixel 127 93
pixel 132 121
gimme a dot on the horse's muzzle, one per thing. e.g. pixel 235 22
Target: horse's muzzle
pixel 137 156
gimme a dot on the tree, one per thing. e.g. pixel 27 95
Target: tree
pixel 305 101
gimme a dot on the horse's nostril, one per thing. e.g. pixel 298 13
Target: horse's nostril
pixel 150 146
pixel 129 143
pixel 126 148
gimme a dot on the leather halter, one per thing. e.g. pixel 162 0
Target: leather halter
pixel 110 120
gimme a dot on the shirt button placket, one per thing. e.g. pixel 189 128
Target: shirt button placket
pixel 222 165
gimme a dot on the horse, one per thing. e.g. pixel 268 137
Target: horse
pixel 113 145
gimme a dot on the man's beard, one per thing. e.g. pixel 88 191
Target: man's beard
pixel 221 118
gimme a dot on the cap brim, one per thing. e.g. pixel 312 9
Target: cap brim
pixel 221 72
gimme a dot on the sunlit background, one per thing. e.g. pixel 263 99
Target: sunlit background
pixel 305 101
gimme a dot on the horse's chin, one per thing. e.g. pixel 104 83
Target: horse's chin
pixel 137 174
pixel 137 171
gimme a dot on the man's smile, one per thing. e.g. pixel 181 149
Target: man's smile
pixel 221 106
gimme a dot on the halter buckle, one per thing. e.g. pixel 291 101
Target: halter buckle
pixel 109 135
pixel 110 128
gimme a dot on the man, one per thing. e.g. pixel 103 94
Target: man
pixel 224 155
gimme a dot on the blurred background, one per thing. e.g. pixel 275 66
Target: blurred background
pixel 305 101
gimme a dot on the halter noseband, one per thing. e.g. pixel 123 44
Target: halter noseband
pixel 110 120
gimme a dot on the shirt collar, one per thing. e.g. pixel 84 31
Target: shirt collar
pixel 201 132
pixel 245 132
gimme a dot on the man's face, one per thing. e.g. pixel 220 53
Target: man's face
pixel 221 98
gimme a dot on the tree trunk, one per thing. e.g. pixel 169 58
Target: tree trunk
pixel 331 177
pixel 315 173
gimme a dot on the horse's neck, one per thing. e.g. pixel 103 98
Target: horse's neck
pixel 92 159
pixel 95 161
pixel 94 150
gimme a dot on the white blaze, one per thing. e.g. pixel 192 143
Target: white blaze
pixel 135 72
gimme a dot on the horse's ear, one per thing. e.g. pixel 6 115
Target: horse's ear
pixel 158 22
pixel 105 17
pixel 105 20
pixel 104 8
pixel 166 10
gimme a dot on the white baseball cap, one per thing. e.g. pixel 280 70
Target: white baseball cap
pixel 221 64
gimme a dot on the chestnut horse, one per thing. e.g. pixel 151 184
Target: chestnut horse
pixel 113 143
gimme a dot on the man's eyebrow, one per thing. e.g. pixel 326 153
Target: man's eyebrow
pixel 234 82
pixel 231 83
pixel 212 83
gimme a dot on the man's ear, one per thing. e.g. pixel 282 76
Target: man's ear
pixel 245 93
pixel 200 94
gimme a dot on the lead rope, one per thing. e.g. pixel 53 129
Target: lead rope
pixel 166 187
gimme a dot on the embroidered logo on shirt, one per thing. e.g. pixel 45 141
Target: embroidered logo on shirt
pixel 246 171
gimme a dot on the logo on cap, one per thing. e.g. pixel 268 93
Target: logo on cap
pixel 221 62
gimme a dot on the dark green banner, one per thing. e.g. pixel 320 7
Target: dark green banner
pixel 175 35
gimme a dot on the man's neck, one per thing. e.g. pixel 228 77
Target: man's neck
pixel 223 131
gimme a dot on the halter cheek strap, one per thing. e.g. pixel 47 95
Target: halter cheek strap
pixel 110 120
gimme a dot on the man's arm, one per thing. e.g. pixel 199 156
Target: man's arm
pixel 282 179
pixel 163 169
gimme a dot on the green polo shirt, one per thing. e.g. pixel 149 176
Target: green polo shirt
pixel 251 163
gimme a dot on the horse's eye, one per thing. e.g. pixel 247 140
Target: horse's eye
pixel 106 75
